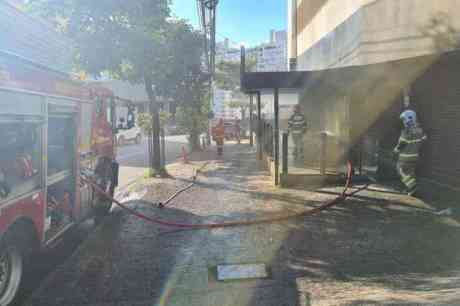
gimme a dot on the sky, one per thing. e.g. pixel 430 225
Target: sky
pixel 246 22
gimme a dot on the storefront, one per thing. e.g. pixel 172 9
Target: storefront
pixel 356 109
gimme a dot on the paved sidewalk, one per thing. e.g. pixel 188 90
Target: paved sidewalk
pixel 378 248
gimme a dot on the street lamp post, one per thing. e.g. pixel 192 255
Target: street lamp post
pixel 207 9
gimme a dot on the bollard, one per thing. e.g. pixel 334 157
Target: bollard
pixel 323 154
pixel 264 144
pixel 184 155
pixel 203 142
pixel 163 148
pixel 285 153
pixel 251 119
pixel 272 145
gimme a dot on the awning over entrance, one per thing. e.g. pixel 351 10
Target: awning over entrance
pixel 363 77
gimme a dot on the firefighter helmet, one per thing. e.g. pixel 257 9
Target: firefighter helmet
pixel 409 118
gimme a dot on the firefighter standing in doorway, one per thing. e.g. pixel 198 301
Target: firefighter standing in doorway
pixel 408 148
pixel 297 128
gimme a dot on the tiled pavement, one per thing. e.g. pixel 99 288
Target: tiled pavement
pixel 379 248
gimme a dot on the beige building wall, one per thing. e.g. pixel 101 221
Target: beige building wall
pixel 317 18
pixel 334 33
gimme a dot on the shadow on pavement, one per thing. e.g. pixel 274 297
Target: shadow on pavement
pixel 372 249
pixel 124 262
pixel 358 250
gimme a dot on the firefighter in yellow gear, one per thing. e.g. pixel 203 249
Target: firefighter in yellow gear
pixel 297 128
pixel 408 148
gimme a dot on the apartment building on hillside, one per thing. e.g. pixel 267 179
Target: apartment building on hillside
pixel 272 56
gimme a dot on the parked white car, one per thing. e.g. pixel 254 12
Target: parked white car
pixel 134 135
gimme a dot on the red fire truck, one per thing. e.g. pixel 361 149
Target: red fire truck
pixel 53 131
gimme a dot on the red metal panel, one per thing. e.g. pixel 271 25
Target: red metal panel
pixel 32 208
pixel 16 74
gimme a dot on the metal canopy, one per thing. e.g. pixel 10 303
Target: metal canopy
pixel 351 77
pixel 255 81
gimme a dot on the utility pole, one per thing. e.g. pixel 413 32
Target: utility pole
pixel 207 12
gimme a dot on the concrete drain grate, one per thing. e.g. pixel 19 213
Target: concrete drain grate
pixel 241 272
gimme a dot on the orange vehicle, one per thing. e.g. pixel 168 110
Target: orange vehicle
pixel 232 129
pixel 53 131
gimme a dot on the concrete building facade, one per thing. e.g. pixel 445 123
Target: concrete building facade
pixel 369 60
pixel 226 52
pixel 272 56
pixel 220 107
pixel 335 33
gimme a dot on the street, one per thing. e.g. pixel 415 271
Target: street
pixel 133 157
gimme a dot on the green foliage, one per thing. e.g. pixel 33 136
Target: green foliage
pixel 240 102
pixel 192 118
pixel 144 121
pixel 129 40
pixel 135 41
pixel 122 37
pixel 228 73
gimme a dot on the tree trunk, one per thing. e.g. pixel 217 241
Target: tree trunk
pixel 195 132
pixel 154 112
pixel 195 144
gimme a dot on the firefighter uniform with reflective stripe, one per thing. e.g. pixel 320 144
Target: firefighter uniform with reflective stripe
pixel 218 135
pixel 409 144
pixel 297 128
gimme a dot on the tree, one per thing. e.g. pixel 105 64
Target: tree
pixel 241 104
pixel 134 41
pixel 144 121
pixel 228 74
pixel 192 113
pixel 191 89
pixel 193 121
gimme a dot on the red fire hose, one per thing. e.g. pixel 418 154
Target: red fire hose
pixel 177 193
pixel 313 211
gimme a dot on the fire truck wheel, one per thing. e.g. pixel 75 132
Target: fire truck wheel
pixel 11 268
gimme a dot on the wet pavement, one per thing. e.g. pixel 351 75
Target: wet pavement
pixel 45 263
pixel 377 248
